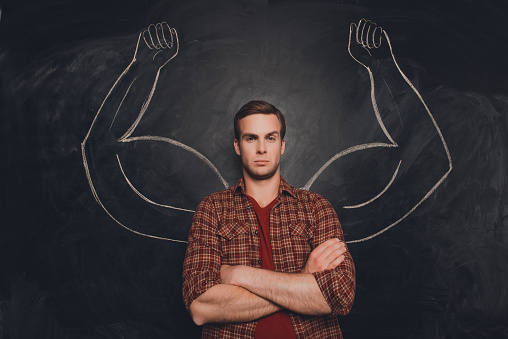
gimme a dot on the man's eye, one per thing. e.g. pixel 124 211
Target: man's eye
pixel 271 138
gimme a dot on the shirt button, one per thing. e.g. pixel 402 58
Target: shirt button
pixel 230 235
pixel 259 262
pixel 256 232
pixel 248 207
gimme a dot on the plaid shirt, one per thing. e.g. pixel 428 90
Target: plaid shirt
pixel 224 232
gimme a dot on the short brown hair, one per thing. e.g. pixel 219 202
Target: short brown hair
pixel 258 107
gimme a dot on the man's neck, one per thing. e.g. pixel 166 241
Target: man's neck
pixel 263 191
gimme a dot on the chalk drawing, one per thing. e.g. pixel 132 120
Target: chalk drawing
pixel 368 35
pixel 380 193
pixel 159 37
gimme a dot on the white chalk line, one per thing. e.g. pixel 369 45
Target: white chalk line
pixel 405 215
pixel 376 109
pixel 396 106
pixel 121 103
pixel 381 193
pixel 341 154
pixel 423 102
pixel 96 196
pixel 372 87
pixel 152 91
pixel 144 197
pixel 450 165
pixel 144 107
pixel 183 146
pixel 126 138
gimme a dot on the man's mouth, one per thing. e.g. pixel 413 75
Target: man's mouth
pixel 261 161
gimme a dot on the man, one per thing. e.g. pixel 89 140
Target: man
pixel 265 259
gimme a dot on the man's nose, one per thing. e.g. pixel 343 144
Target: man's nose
pixel 261 146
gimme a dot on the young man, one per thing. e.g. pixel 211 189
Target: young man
pixel 264 259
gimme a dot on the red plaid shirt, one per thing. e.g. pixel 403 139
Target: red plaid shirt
pixel 223 232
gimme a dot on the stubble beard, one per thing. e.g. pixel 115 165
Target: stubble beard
pixel 256 176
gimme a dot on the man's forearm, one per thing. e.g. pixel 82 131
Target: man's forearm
pixel 299 293
pixel 230 304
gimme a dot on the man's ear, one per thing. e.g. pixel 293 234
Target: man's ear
pixel 237 147
pixel 283 146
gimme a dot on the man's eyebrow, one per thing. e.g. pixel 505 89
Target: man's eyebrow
pixel 273 133
pixel 249 135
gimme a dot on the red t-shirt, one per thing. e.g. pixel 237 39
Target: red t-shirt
pixel 277 325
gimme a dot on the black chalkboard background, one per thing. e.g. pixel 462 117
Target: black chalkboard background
pixel 67 270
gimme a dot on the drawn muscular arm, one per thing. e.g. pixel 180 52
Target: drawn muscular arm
pixel 394 98
pixel 115 134
pixel 411 139
pixel 115 119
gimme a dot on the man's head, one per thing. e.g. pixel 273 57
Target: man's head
pixel 259 107
pixel 259 132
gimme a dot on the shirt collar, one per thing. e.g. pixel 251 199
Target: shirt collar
pixel 283 187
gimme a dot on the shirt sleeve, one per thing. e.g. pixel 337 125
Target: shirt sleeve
pixel 201 267
pixel 337 285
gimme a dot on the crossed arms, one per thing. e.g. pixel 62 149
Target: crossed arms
pixel 217 293
pixel 248 293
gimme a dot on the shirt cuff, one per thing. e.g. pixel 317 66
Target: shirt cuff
pixel 199 284
pixel 329 284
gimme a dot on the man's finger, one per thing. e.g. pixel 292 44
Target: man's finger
pixel 323 246
pixel 336 262
pixel 329 253
pixel 326 251
pixel 336 252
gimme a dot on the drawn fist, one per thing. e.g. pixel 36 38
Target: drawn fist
pixel 158 44
pixel 366 42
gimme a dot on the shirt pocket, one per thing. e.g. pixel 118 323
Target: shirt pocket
pixel 235 239
pixel 301 238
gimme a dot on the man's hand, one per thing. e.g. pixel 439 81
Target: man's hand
pixel 299 293
pixel 326 256
pixel 226 274
pixel 157 44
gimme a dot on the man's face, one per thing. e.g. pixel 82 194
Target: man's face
pixel 260 145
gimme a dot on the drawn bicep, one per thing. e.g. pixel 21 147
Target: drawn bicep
pixel 358 177
pixel 169 175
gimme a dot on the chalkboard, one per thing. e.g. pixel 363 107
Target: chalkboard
pixel 108 147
